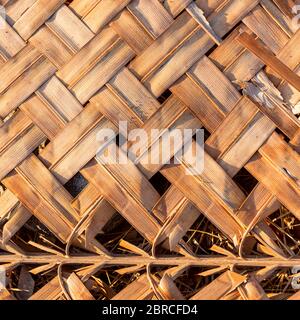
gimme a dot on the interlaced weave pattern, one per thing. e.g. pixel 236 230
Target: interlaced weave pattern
pixel 70 69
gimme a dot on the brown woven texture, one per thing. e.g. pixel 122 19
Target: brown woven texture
pixel 70 69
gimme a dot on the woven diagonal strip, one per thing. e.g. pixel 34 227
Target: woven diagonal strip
pixel 70 69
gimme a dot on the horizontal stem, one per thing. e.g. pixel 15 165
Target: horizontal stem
pixel 160 261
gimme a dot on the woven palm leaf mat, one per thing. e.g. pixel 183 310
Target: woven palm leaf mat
pixel 75 227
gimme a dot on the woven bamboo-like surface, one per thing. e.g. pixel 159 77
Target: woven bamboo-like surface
pixel 69 69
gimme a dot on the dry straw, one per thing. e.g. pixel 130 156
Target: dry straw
pixel 72 227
